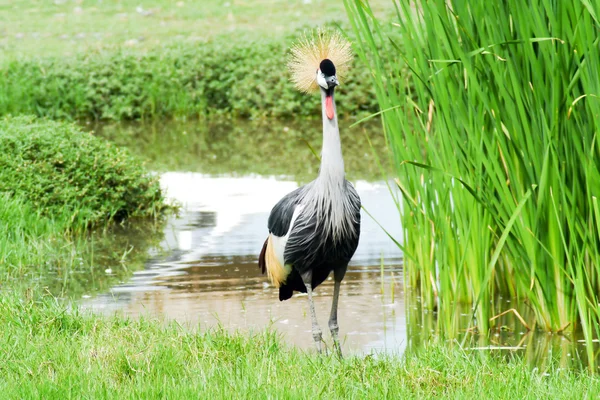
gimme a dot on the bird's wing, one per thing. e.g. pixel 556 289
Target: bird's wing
pixel 281 215
pixel 280 222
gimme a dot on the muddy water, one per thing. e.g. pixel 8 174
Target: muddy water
pixel 210 275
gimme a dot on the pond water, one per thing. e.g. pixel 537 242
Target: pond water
pixel 210 275
pixel 228 177
pixel 200 268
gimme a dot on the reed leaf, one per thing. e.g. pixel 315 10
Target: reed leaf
pixel 503 100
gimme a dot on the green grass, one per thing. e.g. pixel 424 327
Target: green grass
pixel 27 235
pixel 494 135
pixel 34 28
pixel 53 352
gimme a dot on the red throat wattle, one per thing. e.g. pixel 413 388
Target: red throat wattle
pixel 329 106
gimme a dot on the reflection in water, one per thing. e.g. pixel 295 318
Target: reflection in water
pixel 204 219
pixel 99 260
pixel 508 339
pixel 267 147
pixel 211 276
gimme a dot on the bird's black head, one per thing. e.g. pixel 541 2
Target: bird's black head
pixel 326 77
pixel 327 67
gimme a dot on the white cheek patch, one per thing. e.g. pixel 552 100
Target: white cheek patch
pixel 321 80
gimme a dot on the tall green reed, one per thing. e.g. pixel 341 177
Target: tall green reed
pixel 491 111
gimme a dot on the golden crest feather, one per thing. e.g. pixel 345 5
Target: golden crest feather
pixel 310 50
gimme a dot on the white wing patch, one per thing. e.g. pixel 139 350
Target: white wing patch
pixel 276 268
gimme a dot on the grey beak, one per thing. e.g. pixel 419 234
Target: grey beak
pixel 332 81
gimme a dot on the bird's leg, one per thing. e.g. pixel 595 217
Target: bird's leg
pixel 333 322
pixel 316 330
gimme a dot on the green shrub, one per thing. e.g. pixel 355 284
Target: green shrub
pixel 64 172
pixel 247 79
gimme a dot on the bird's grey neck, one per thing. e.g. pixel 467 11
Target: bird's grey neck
pixel 332 163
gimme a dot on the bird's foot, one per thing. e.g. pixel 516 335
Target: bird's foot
pixel 318 337
pixel 334 328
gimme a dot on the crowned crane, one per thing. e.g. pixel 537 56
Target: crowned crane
pixel 314 230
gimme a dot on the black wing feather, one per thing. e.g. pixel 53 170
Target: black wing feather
pixel 279 221
pixel 262 263
pixel 281 214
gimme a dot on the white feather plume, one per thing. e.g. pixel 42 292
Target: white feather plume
pixel 310 50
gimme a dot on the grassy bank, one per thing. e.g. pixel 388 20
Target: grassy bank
pixel 65 28
pixel 56 184
pixel 56 353
pixel 29 238
pixel 241 78
pixel 127 60
pixel 495 142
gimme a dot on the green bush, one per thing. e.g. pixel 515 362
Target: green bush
pixel 247 79
pixel 64 172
